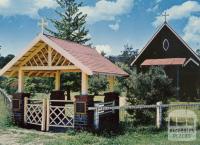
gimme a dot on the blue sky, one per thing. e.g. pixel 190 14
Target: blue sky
pixel 111 23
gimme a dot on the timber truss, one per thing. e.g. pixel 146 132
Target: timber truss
pixel 42 60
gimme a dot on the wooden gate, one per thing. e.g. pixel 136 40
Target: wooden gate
pixel 35 112
pixel 60 116
pixel 45 114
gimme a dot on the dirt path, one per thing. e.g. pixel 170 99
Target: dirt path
pixel 16 137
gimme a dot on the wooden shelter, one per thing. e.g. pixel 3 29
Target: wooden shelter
pixel 48 56
pixel 167 49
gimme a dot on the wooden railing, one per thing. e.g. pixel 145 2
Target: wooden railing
pixel 7 98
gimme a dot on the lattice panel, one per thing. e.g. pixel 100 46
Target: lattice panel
pixel 34 114
pixel 61 116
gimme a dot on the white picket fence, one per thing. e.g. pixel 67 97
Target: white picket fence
pixel 109 107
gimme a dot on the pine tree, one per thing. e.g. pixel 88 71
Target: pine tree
pixel 71 25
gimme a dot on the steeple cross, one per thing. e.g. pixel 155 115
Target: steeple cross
pixel 43 24
pixel 165 15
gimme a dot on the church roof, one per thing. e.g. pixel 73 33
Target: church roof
pixel 82 57
pixel 165 61
pixel 154 36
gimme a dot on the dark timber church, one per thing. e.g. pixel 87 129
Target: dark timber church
pixel 166 48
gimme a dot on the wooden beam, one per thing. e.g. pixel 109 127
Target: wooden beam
pixel 59 60
pixel 20 80
pixel 49 68
pixel 63 62
pixel 40 60
pixel 49 56
pixel 32 54
pixel 12 73
pixel 38 73
pixel 111 80
pixel 30 63
pixel 57 81
pixel 46 74
pixel 30 73
pixel 53 59
pixel 84 84
pixel 44 55
pixel 35 61
pixel 71 70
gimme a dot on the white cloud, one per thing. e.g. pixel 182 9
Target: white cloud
pixel 115 26
pixel 158 1
pixel 153 9
pixel 4 3
pixel 192 31
pixel 24 7
pixel 45 3
pixel 105 10
pixel 179 11
pixel 104 48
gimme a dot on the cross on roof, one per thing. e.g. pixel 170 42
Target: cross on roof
pixel 165 15
pixel 42 24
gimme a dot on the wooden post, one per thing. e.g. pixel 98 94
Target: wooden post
pixel 84 84
pixel 159 114
pixel 20 80
pixel 43 114
pixel 57 81
pixel 49 56
pixel 48 115
pixel 96 117
pixel 25 109
pixel 111 80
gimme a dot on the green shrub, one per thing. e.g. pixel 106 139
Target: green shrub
pixel 148 88
pixel 5 116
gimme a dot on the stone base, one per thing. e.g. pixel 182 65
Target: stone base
pixel 18 108
pixel 84 118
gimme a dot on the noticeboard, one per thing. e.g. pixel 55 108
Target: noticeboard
pixel 80 107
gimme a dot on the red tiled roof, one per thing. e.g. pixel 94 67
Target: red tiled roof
pixel 165 61
pixel 89 57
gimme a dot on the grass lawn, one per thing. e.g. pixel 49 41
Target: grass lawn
pixel 134 137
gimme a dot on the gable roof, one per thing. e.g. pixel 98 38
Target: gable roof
pixel 153 37
pixel 85 58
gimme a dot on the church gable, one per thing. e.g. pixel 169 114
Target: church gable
pixel 165 44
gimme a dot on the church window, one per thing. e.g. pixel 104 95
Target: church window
pixel 165 44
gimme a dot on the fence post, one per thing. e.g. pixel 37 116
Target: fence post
pixel 96 116
pixel 48 115
pixel 159 114
pixel 113 105
pixel 25 109
pixel 43 114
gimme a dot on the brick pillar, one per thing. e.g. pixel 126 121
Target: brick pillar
pixel 111 121
pixel 57 95
pixel 84 118
pixel 18 108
